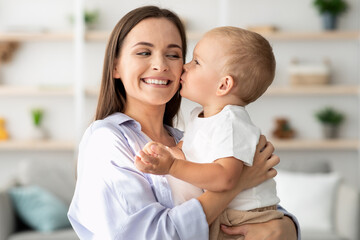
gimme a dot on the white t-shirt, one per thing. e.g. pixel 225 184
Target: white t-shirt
pixel 230 133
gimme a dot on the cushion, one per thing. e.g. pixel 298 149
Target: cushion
pixel 308 166
pixel 39 208
pixel 310 197
pixel 62 234
pixel 57 177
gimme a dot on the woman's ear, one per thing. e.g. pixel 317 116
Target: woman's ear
pixel 116 73
pixel 225 85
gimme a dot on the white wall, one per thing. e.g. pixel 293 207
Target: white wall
pixel 51 63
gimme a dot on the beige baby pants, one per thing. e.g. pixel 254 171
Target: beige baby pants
pixel 232 217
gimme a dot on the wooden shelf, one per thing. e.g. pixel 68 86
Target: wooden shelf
pixel 36 36
pixel 318 90
pixel 30 91
pixel 192 35
pixel 311 144
pixel 36 145
pixel 302 36
pixel 321 35
pixel 51 36
pixel 97 35
pixel 92 91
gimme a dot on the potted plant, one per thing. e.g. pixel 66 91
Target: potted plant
pixel 90 18
pixel 330 9
pixel 38 130
pixel 330 120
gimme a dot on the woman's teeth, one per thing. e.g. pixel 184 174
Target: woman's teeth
pixel 156 81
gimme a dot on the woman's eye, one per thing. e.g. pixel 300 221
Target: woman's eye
pixel 143 53
pixel 196 62
pixel 175 56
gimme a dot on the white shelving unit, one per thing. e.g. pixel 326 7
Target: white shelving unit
pixel 282 91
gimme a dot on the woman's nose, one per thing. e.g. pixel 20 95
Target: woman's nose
pixel 160 64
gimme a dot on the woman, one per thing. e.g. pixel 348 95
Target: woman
pixel 139 97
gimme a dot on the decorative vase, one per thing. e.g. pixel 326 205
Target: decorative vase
pixel 330 131
pixel 38 133
pixel 329 21
pixel 3 133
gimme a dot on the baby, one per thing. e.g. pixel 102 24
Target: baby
pixel 231 67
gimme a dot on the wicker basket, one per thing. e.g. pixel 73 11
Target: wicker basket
pixel 309 79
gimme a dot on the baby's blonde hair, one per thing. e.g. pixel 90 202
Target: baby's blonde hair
pixel 250 62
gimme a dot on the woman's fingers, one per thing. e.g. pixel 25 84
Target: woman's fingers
pixel 268 149
pixel 272 161
pixel 270 164
pixel 238 230
pixel 272 173
pixel 261 144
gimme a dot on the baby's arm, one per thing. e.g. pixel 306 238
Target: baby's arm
pixel 220 175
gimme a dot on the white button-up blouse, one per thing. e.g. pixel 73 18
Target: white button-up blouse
pixel 113 200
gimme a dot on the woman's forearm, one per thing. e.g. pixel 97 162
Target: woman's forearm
pixel 214 203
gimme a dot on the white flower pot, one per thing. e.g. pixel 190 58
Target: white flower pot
pixel 38 133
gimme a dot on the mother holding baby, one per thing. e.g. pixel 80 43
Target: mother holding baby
pixel 139 99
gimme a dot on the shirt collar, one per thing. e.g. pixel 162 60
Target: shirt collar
pixel 121 118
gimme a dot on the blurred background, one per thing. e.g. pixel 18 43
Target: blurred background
pixel 50 72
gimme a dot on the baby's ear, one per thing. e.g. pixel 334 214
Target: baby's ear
pixel 225 85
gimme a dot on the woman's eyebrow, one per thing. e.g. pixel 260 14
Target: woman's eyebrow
pixel 174 46
pixel 152 45
pixel 144 43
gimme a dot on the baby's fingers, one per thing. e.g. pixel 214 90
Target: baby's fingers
pixel 141 165
pixel 160 150
pixel 147 148
pixel 147 158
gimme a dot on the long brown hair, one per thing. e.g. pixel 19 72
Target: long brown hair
pixel 112 95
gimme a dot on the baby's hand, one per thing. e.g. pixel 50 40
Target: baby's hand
pixel 155 158
pixel 177 153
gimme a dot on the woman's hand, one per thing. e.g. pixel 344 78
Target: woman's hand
pixel 262 168
pixel 278 229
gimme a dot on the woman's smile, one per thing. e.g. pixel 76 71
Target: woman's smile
pixel 156 81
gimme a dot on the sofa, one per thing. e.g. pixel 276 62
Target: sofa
pixel 326 206
pixel 59 179
pixel 49 183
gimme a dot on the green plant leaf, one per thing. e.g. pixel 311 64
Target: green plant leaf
pixel 37 115
pixel 335 7
pixel 329 115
